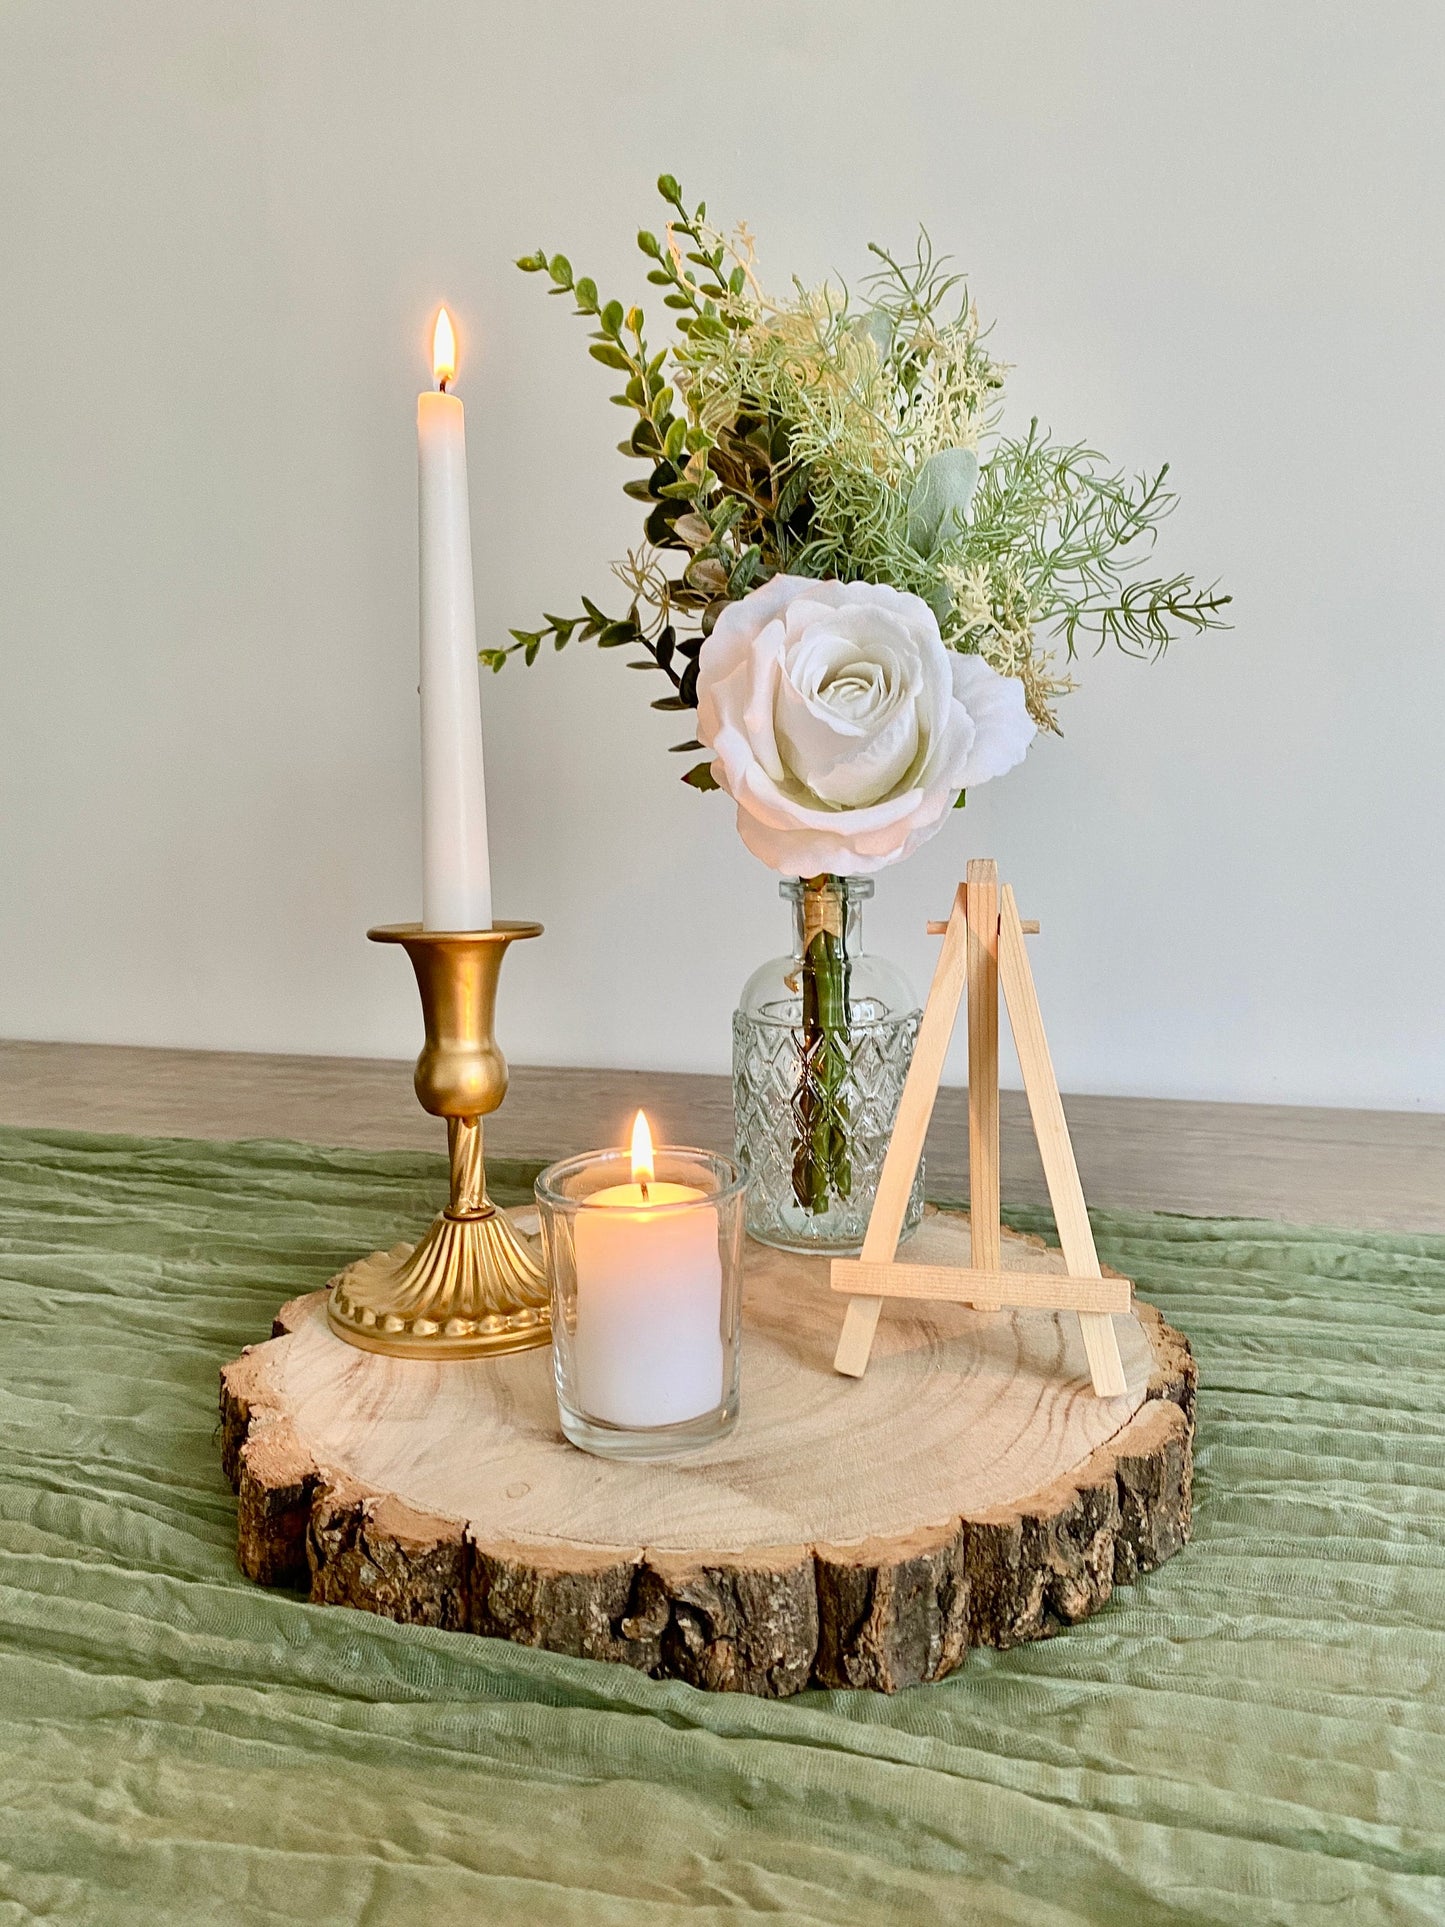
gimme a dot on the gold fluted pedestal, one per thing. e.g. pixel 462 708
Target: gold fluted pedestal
pixel 472 1287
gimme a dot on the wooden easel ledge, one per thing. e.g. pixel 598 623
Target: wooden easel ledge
pixel 1029 925
pixel 984 1290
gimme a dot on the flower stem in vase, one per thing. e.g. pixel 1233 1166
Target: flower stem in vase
pixel 822 1168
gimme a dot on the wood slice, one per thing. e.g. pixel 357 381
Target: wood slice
pixel 969 1490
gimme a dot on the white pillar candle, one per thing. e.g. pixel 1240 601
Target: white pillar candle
pixel 648 1348
pixel 456 887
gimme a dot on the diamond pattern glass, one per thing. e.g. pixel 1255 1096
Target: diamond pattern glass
pixel 814 1107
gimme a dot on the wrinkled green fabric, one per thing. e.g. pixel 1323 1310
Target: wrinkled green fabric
pixel 1255 1734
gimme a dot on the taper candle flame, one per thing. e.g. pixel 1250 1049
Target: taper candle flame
pixel 443 350
pixel 642 1158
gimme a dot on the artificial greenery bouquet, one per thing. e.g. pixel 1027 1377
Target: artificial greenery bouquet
pixel 869 592
pixel 858 439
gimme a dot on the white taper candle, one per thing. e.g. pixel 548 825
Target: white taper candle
pixel 456 863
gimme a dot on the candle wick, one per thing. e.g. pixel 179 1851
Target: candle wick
pixel 442 384
pixel 643 1183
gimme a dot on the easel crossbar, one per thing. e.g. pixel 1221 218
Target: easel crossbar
pixel 986 1290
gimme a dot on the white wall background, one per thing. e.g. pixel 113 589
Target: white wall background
pixel 1209 234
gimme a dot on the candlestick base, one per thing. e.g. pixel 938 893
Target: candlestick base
pixel 471 1288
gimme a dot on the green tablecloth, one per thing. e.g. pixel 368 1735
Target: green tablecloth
pixel 1255 1734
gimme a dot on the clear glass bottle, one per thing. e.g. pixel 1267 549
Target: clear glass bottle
pixel 822 1041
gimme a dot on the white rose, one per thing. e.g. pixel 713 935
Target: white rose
pixel 843 727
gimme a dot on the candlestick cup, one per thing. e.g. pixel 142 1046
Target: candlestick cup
pixel 472 1287
pixel 646 1282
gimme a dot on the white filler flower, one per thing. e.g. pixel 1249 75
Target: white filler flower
pixel 842 725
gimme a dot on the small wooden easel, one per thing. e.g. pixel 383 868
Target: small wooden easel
pixel 983 940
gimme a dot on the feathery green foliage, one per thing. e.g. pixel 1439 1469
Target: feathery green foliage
pixel 831 437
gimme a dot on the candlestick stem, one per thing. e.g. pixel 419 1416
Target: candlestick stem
pixel 469 1171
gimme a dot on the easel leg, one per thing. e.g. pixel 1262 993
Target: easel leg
pixel 855 1341
pixel 905 1147
pixel 1056 1151
pixel 983 1156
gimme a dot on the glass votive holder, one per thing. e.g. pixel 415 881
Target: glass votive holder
pixel 646 1299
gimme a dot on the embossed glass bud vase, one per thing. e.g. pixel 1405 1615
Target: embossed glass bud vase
pixel 822 1041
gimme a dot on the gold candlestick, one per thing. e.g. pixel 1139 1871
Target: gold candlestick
pixel 471 1288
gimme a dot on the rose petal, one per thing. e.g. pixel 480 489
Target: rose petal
pixel 852 771
pixel 731 642
pixel 1005 727
pixel 798 809
pixel 850 738
pixel 760 706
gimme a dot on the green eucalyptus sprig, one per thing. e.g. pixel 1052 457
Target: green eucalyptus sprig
pixel 687 513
